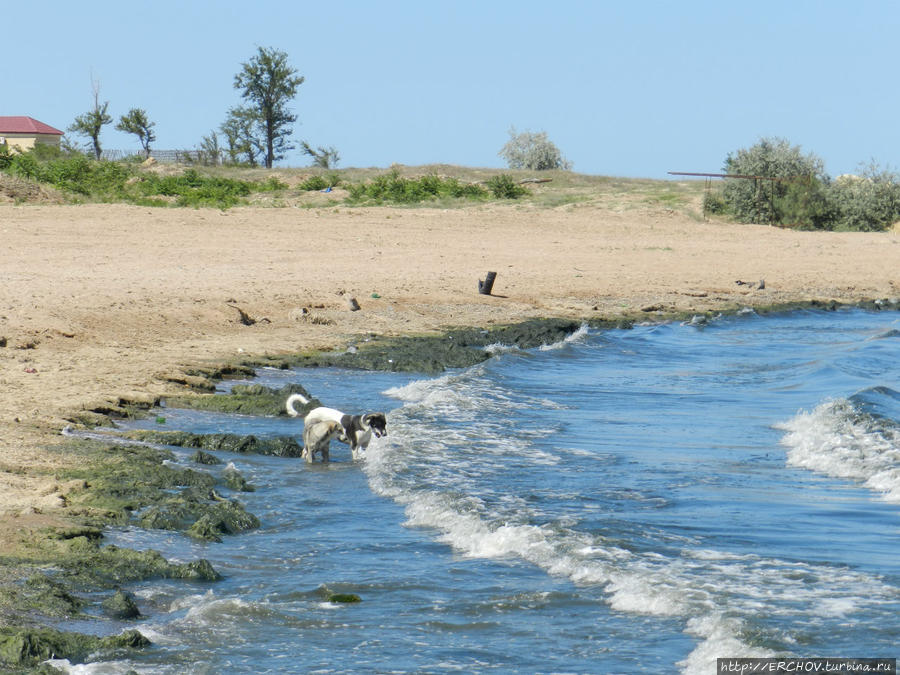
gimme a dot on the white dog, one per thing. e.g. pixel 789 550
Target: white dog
pixel 357 430
pixel 317 438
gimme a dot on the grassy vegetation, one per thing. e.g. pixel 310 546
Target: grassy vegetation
pixel 77 178
pixel 867 202
pixel 397 189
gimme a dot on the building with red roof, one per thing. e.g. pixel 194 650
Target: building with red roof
pixel 23 133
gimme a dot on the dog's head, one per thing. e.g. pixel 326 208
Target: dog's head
pixel 377 423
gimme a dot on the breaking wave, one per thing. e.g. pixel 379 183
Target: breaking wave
pixel 856 439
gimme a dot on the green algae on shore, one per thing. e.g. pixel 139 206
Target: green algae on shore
pixel 243 399
pixel 429 354
pixel 59 572
pixel 27 647
pixel 280 446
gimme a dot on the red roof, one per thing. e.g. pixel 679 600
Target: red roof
pixel 25 125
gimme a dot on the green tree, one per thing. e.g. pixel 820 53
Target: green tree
pixel 268 83
pixel 775 165
pixel 136 122
pixel 90 123
pixel 808 204
pixel 532 151
pixel 240 137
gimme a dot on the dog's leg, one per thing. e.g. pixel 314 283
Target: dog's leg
pixel 308 447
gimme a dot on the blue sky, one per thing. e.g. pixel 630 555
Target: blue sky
pixel 628 88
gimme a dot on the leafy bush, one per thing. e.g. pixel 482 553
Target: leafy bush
pixel 314 183
pixel 463 190
pixel 24 165
pixel 392 187
pixel 807 205
pixel 194 189
pixel 123 181
pixel 867 202
pixel 74 173
pixel 714 202
pixel 271 185
pixel 532 151
pixel 805 197
pixel 504 187
pixel 756 200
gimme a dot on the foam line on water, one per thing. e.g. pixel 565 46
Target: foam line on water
pixel 436 470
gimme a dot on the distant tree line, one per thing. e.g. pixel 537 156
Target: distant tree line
pixel 791 188
pixel 255 133
pixel 258 131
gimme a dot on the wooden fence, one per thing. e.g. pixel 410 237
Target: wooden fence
pixel 164 156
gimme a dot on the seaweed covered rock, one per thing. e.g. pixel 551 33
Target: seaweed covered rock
pixel 228 518
pixel 459 348
pixel 525 335
pixel 42 594
pixel 92 566
pixel 27 647
pixel 201 457
pixel 121 606
pixel 120 480
pixel 336 597
pixel 234 480
pixel 281 446
pixel 246 399
pixel 182 511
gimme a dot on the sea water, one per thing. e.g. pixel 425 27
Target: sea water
pixel 626 501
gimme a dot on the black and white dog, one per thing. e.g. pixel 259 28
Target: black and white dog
pixel 357 430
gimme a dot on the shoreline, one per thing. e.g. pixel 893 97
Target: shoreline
pixel 107 305
pixel 115 478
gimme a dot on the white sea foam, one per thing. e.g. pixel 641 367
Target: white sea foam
pixel 500 348
pixel 577 336
pixel 98 668
pixel 838 440
pixel 434 471
pixel 718 635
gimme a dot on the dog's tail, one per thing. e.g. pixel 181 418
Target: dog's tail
pixel 289 404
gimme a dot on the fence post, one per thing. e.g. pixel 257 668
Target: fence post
pixel 484 287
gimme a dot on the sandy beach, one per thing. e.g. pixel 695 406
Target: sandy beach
pixel 99 302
